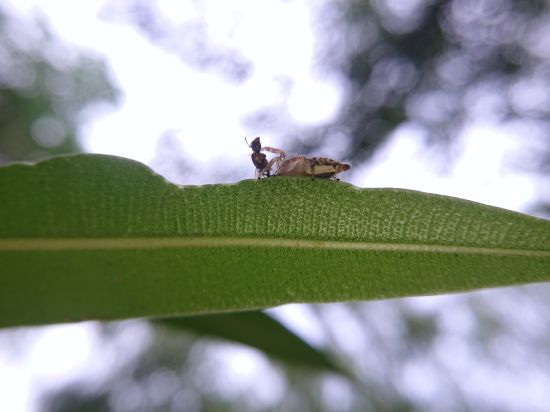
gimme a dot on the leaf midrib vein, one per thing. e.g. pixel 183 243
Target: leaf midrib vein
pixel 129 243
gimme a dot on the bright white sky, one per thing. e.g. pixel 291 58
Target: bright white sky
pixel 161 93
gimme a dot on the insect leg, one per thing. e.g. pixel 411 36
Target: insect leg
pixel 274 163
pixel 278 152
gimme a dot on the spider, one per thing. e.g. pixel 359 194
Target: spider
pixel 321 167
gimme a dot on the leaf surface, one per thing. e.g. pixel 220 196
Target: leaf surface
pixel 102 237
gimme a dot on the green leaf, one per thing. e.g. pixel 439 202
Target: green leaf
pixel 101 237
pixel 257 330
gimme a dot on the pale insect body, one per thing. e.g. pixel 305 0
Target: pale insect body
pixel 320 167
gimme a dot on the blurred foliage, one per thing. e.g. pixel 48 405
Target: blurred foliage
pixel 412 354
pixel 436 67
pixel 259 331
pixel 45 87
pixel 433 65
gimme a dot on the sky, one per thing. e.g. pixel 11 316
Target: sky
pixel 147 74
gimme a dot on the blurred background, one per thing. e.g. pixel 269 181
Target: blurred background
pixel 450 97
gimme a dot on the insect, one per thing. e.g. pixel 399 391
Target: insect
pixel 321 167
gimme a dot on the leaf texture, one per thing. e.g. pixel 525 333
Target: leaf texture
pixel 102 237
